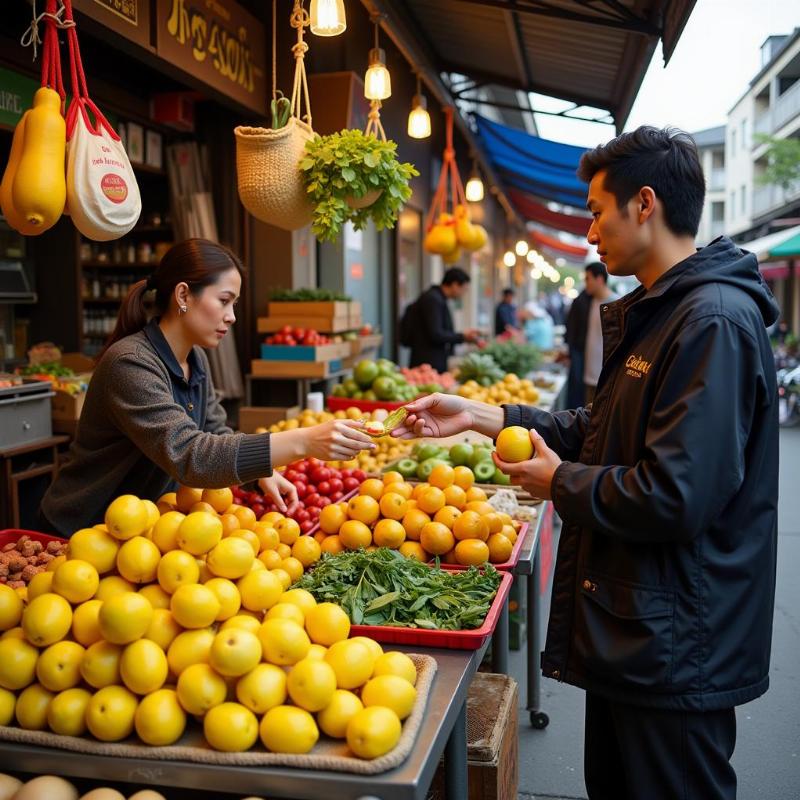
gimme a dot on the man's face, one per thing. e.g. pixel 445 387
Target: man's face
pixel 455 290
pixel 621 241
pixel 508 297
pixel 591 283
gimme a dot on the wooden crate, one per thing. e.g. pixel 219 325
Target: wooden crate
pixel 492 741
pixel 332 309
pixel 320 352
pixel 354 314
pixel 66 411
pixel 320 324
pixel 252 417
pixel 293 369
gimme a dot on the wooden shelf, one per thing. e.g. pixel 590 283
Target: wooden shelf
pixel 120 266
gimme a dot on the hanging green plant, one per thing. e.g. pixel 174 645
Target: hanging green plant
pixel 343 171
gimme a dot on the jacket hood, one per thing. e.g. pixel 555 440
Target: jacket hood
pixel 722 262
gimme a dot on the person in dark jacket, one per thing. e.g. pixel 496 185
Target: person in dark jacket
pixel 664 585
pixel 432 335
pixel 575 339
pixel 505 315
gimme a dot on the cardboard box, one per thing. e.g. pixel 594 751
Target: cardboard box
pixel 78 363
pixel 252 417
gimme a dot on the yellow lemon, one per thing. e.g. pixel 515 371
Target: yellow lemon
pixel 293 567
pixel 111 585
pixel 127 517
pixel 373 732
pixel 334 718
pixel 32 705
pixel 391 691
pixel 283 577
pixel 259 590
pixel 163 629
pixel 194 606
pixel 7 702
pixel 10 607
pixel 268 537
pixel 100 664
pixel 41 583
pixel 302 598
pixel 228 595
pixel 66 714
pixel 219 499
pixel 75 580
pixel 287 729
pixel 110 713
pixel 234 652
pixel 263 688
pixel 159 719
pixel 97 547
pixel 59 666
pixel 514 444
pixel 230 727
pixel 56 563
pixel 375 650
pixel 47 619
pixel 352 662
pixel 311 684
pixel 143 666
pixel 288 530
pixel 396 663
pixel 200 688
pixel 175 569
pixel 137 560
pixel 199 532
pixel 17 663
pixel 186 497
pixel 270 559
pixel 231 558
pixel 125 617
pixel 242 621
pixel 306 550
pixel 327 623
pixel 317 652
pixel 286 611
pixel 189 647
pixel 165 531
pixel 284 642
pixel 155 595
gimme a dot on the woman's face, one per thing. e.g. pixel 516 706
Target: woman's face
pixel 210 314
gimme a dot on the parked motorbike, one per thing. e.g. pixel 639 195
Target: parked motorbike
pixel 789 397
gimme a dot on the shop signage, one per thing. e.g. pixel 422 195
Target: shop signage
pixel 16 95
pixel 129 18
pixel 217 42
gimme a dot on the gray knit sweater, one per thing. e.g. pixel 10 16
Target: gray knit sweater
pixel 134 438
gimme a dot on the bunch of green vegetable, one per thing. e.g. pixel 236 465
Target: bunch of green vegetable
pixel 346 166
pixel 480 368
pixel 386 588
pixel 281 109
pixel 306 295
pixel 53 368
pixel 514 357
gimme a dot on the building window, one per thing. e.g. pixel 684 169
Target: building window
pixel 744 200
pixel 744 133
pixel 718 211
pixel 718 159
pixel 732 205
pixel 733 143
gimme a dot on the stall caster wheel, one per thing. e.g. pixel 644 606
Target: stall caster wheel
pixel 539 720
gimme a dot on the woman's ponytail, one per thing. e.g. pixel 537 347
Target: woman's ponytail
pixel 132 315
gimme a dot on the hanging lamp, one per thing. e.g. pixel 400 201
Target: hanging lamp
pixel 377 81
pixel 327 17
pixel 474 188
pixel 419 120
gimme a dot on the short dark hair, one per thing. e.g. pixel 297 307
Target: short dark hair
pixel 508 290
pixel 664 159
pixel 598 269
pixel 455 275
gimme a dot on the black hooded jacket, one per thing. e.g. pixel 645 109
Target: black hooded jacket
pixel 664 584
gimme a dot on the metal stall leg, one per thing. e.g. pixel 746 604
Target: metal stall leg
pixel 455 758
pixel 500 642
pixel 538 718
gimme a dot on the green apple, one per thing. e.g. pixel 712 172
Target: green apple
pixel 461 453
pixel 484 471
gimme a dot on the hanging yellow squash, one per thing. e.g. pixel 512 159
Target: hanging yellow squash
pixel 14 219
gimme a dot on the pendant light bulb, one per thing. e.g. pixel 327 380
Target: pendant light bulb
pixel 521 248
pixel 419 120
pixel 377 81
pixel 474 187
pixel 509 259
pixel 327 17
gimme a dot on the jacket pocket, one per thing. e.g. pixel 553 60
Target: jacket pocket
pixel 624 632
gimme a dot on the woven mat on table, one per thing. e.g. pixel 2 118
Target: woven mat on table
pixel 328 754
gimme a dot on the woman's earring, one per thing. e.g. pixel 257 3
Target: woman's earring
pixel 182 309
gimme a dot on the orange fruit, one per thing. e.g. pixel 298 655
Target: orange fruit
pixel 499 548
pixel 251 537
pixel 388 533
pixel 186 497
pixel 481 506
pixel 321 536
pixel 436 538
pixel 392 477
pixel 283 576
pixel 306 550
pixel 447 516
pixel 268 538
pixel 419 489
pixel 442 476
pixel 293 567
pixel 271 559
pixel 494 522
pixel 201 506
pixel 449 557
pixel 455 496
pixel 470 525
pixel 514 444
pixel 283 550
pixel 471 552
pixel 403 489
pixel 393 506
pixel 271 517
pixel 506 518
pixel 332 544
pixel 509 532
pixel 288 530
pixel 372 487
pixel 412 503
pixel 219 499
pixel 363 508
pixel 354 534
pixel 332 518
pixel 414 550
pixel 463 477
pixel 247 518
pixel 230 523
pixel 475 493
pixel 431 500
pixel 166 502
pixel 413 521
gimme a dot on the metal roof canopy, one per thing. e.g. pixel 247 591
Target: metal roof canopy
pixel 592 53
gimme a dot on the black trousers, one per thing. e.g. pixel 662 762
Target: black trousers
pixel 634 753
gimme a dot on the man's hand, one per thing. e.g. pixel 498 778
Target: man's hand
pixel 534 476
pixel 276 487
pixel 435 415
pixel 472 335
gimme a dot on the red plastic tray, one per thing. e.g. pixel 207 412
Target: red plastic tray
pixel 351 493
pixel 451 640
pixel 512 559
pixel 13 534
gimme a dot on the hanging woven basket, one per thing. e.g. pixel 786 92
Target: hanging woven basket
pixel 267 159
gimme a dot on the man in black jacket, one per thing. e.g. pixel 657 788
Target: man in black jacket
pixel 430 332
pixel 575 339
pixel 667 485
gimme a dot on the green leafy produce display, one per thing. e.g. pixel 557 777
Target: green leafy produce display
pixel 481 368
pixel 349 165
pixel 386 588
pixel 55 368
pixel 425 456
pixel 521 359
pixel 376 380
pixel 306 296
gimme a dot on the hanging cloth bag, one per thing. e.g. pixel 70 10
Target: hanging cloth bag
pixel 102 192
pixel 267 160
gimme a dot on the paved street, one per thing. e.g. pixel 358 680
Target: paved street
pixel 767 757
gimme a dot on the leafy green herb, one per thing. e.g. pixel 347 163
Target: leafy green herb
pixel 386 588
pixel 480 368
pixel 520 359
pixel 306 295
pixel 53 368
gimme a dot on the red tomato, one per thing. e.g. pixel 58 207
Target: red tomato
pixel 359 475
pixel 324 501
pixel 312 499
pixel 345 473
pixel 350 483
pixel 336 485
pixel 306 526
pixel 289 341
pixel 314 513
pixel 337 496
pixel 291 475
pixel 287 330
pixel 301 515
pixel 298 333
pixel 324 488
pixel 302 489
pixel 320 474
pixel 259 510
pixel 300 466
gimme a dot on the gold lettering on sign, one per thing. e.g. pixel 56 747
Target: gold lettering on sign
pixel 637 366
pixel 229 51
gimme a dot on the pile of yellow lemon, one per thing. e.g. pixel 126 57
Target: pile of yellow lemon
pixel 446 516
pixel 387 449
pixel 153 616
pixel 509 390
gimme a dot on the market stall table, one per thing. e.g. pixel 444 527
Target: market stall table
pixel 303 384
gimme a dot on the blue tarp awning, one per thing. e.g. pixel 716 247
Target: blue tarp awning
pixel 534 165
